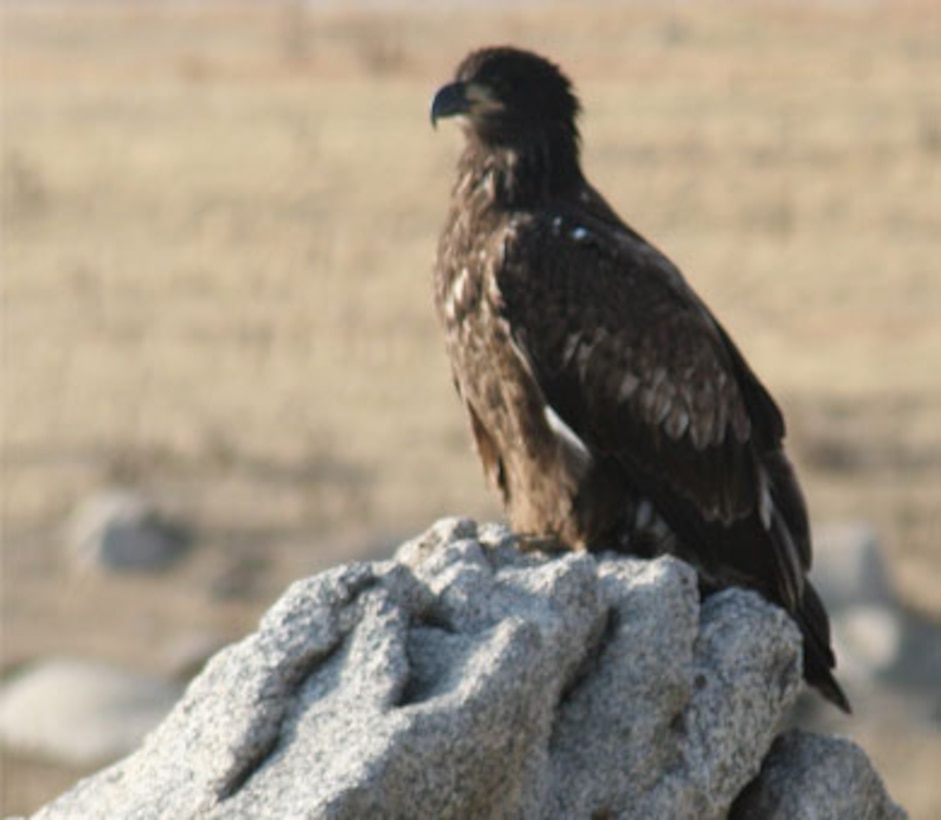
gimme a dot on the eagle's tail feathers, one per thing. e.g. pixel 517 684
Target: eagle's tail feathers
pixel 818 656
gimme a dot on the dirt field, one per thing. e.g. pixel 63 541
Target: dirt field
pixel 218 229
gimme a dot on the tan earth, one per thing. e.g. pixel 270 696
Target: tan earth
pixel 218 228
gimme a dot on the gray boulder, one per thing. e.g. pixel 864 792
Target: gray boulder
pixel 467 679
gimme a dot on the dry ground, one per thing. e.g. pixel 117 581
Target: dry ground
pixel 218 227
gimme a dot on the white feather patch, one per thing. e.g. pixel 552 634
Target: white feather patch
pixel 456 295
pixel 459 288
pixel 567 436
pixel 628 386
pixel 518 349
pixel 571 345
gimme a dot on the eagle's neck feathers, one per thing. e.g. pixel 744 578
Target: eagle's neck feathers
pixel 523 173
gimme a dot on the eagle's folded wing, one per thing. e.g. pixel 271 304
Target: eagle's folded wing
pixel 639 371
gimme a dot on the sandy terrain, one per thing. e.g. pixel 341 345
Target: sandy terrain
pixel 218 227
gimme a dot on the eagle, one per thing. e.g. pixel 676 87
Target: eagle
pixel 609 407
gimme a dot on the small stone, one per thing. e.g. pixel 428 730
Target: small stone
pixel 79 712
pixel 869 624
pixel 868 640
pixel 850 568
pixel 123 531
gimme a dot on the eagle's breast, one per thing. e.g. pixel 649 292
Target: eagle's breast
pixel 536 460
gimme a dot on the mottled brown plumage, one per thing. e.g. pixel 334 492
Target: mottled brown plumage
pixel 609 407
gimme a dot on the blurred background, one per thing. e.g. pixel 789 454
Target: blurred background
pixel 221 369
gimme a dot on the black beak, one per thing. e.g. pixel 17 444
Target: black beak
pixel 450 101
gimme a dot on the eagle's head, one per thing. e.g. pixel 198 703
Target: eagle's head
pixel 507 96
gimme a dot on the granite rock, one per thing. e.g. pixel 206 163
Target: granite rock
pixel 465 678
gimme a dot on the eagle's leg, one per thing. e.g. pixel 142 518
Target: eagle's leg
pixel 548 543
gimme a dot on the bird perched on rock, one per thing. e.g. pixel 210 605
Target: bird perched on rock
pixel 609 407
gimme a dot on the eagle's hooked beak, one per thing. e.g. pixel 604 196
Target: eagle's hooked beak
pixel 463 98
pixel 450 101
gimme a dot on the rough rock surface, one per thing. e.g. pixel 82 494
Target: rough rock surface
pixel 465 679
pixel 798 779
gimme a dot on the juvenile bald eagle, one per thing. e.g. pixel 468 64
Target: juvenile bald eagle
pixel 608 405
